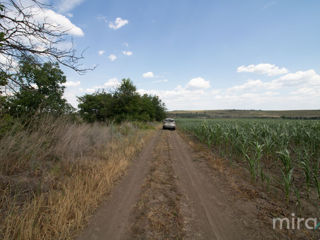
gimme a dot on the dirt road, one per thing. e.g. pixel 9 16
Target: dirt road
pixel 170 193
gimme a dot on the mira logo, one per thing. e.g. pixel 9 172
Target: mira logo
pixel 296 223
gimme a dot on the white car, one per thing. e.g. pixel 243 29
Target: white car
pixel 169 123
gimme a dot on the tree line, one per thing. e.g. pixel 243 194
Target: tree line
pixel 40 91
pixel 32 83
pixel 124 104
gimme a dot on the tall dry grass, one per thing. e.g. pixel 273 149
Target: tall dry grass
pixel 55 173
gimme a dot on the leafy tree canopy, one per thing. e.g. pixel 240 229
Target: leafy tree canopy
pixel 125 103
pixel 40 89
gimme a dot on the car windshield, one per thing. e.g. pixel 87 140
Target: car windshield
pixel 169 120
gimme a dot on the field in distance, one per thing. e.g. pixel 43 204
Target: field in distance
pixel 232 113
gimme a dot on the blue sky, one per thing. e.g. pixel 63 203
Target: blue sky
pixel 206 54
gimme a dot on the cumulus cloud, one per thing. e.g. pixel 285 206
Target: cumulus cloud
pixel 67 5
pixel 299 79
pixel 255 85
pixel 56 20
pixel 112 83
pixel 101 52
pixel 309 77
pixel 71 84
pixel 48 19
pixel 198 83
pixel 148 75
pixel 112 57
pixel 263 68
pixel 127 53
pixel 118 23
pixel 297 90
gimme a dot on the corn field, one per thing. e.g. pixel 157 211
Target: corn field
pixel 283 152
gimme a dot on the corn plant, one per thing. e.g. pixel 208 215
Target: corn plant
pixel 315 175
pixel 287 171
pixel 261 143
pixel 306 167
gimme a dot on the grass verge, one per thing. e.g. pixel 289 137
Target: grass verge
pixel 54 175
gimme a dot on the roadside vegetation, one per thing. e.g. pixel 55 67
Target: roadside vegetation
pixel 280 153
pixel 56 163
pixel 55 173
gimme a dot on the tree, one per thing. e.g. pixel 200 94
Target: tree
pixel 41 89
pixel 124 104
pixel 25 29
pixel 159 108
pixel 96 107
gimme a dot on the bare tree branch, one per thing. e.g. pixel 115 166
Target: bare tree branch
pixel 25 30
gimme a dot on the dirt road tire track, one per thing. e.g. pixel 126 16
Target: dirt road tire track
pixel 111 219
pixel 168 172
pixel 157 213
pixel 210 216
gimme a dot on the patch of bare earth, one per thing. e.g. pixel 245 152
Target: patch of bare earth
pixel 157 214
pixel 254 204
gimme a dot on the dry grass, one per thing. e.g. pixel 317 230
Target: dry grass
pixel 55 175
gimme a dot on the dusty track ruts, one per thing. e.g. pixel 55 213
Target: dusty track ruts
pixel 211 218
pixel 157 214
pixel 111 219
pixel 202 204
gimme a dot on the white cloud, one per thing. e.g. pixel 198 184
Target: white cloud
pixel 8 61
pixel 56 20
pixel 91 90
pixel 255 85
pixel 50 20
pixel 112 57
pixel 126 44
pixel 70 15
pixel 127 53
pixel 263 68
pixel 148 75
pixel 71 84
pixel 118 23
pixel 67 5
pixel 112 83
pixel 298 90
pixel 198 83
pixel 300 79
pixel 101 52
pixel 161 81
pixel 309 77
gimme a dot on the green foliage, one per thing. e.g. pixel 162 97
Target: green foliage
pixel 287 170
pixel 9 125
pixel 263 144
pixel 41 90
pixel 124 104
pixel 95 107
pixel 3 78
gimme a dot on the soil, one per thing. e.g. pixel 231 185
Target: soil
pixel 177 189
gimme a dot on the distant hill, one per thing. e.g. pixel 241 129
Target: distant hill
pixel 232 113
